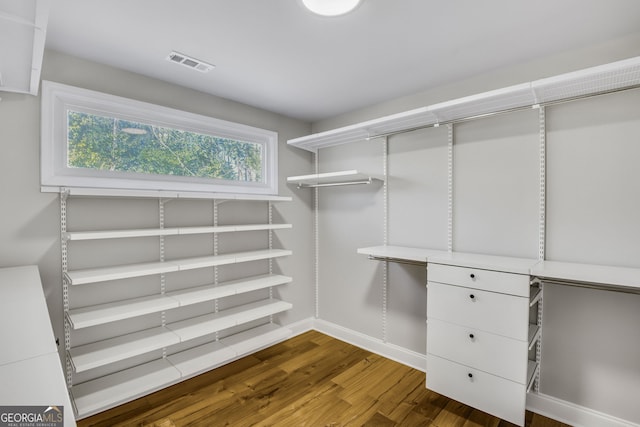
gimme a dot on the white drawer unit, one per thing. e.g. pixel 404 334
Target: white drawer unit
pixel 501 314
pixel 479 333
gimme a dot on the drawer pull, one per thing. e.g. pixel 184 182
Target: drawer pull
pixel 473 276
pixel 473 297
pixel 470 375
pixel 471 336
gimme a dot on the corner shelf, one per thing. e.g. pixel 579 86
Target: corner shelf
pixel 332 179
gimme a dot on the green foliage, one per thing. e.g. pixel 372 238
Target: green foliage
pixel 111 144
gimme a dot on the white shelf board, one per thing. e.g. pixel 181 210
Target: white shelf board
pixel 210 292
pixel 195 327
pixel 104 313
pixel 202 358
pixel 590 81
pixel 119 234
pixel 401 253
pixel 616 277
pixel 209 323
pixel 112 350
pixel 94 275
pixel 111 390
pixel 361 131
pixel 115 192
pixel 257 338
pixel 602 78
pixel 156 232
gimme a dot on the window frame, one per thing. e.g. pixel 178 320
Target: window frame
pixel 58 99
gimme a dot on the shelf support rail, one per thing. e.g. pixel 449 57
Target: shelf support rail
pixel 216 307
pixel 64 194
pixel 385 236
pixel 163 282
pixel 270 208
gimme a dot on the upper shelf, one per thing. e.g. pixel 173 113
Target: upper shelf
pixel 331 179
pixel 590 81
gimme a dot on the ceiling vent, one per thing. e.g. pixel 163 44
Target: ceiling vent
pixel 189 62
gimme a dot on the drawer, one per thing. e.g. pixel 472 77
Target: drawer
pixel 495 281
pixel 495 354
pixel 500 314
pixel 489 393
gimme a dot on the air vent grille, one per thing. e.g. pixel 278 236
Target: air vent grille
pixel 190 62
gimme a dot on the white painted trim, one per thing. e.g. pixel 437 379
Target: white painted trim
pixel 572 414
pixel 57 98
pixel 390 351
pixel 301 326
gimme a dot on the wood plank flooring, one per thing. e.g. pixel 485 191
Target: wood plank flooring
pixel 309 380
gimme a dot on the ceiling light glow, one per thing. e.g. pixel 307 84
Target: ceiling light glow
pixel 330 7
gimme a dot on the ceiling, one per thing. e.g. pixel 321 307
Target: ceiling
pixel 276 55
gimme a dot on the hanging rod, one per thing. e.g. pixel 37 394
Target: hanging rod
pixel 589 285
pixel 496 113
pixel 397 260
pixel 335 184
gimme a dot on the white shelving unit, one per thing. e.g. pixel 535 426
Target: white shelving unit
pixel 332 179
pixel 606 78
pixel 168 338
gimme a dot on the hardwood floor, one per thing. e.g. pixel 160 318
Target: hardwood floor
pixel 309 380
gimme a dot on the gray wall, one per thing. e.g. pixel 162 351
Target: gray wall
pixel 30 226
pixel 591 346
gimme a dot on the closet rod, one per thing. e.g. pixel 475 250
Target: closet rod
pixel 397 260
pixel 589 285
pixel 508 110
pixel 335 184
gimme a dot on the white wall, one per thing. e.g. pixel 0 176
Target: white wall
pixel 591 347
pixel 30 226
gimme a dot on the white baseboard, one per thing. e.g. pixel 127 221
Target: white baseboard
pixel 301 326
pixel 390 351
pixel 548 406
pixel 572 414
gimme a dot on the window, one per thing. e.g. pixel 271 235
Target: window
pixel 95 140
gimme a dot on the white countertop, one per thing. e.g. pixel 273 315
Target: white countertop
pixel 604 275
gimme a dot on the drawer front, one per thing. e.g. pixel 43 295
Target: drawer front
pixel 500 314
pixel 495 281
pixel 489 393
pixel 495 354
